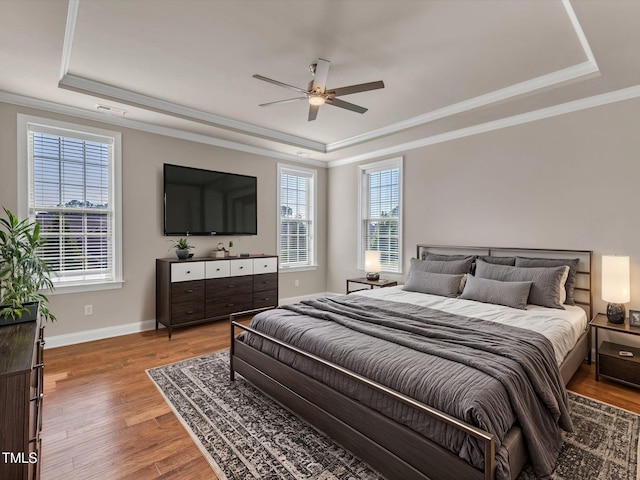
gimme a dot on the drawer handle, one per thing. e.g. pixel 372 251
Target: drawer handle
pixel 230 304
pixel 217 269
pixel 189 291
pixel 265 266
pixel 266 298
pixel 241 267
pixel 190 312
pixel 231 286
pixel 188 271
pixel 265 282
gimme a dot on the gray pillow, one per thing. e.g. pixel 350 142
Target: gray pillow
pixel 499 260
pixel 454 267
pixel 510 294
pixel 547 286
pixel 442 284
pixel 572 263
pixel 446 258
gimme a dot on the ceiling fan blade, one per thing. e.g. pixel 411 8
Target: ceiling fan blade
pixel 321 75
pixel 282 101
pixel 276 82
pixel 362 87
pixel 346 105
pixel 313 112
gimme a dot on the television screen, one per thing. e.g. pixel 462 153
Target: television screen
pixel 205 202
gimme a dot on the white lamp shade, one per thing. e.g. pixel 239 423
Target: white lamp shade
pixel 615 279
pixel 372 261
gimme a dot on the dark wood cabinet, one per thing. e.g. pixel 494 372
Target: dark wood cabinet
pixel 21 396
pixel 202 290
pixel 609 363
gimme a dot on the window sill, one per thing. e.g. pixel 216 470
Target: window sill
pixel 62 289
pixel 298 269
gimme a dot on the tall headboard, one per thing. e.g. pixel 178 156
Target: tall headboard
pixel 584 277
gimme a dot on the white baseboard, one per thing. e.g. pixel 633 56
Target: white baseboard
pixel 126 329
pixel 99 334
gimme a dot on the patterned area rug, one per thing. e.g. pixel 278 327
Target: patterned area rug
pixel 244 434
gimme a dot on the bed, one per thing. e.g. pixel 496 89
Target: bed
pixel 464 420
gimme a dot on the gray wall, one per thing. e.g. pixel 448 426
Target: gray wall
pixel 565 182
pixel 571 181
pixel 143 155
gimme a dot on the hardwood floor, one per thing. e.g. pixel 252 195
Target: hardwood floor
pixel 104 418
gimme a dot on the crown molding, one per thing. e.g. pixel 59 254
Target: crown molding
pixel 103 90
pixel 554 79
pixel 69 32
pixel 554 111
pixel 47 106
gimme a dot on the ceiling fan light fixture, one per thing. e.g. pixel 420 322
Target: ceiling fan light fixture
pixel 317 100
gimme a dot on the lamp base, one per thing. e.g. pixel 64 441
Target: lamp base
pixel 373 276
pixel 616 313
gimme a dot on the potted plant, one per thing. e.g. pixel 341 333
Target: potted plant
pixel 182 248
pixel 23 273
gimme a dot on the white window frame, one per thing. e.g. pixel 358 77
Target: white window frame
pixel 25 123
pixel 364 171
pixel 311 255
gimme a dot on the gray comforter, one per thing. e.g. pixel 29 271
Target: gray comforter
pixel 487 374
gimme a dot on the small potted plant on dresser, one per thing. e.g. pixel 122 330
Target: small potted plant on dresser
pixel 24 275
pixel 182 248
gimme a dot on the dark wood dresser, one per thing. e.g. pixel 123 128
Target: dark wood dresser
pixel 21 393
pixel 204 289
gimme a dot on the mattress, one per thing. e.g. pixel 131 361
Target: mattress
pixel 562 328
pixel 393 357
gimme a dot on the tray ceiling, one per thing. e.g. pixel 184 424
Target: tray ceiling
pixel 447 66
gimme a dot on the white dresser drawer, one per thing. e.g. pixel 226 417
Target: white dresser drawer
pixel 182 272
pixel 241 267
pixel 218 269
pixel 265 265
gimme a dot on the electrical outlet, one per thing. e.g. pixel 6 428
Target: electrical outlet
pixel 296 283
pixel 88 309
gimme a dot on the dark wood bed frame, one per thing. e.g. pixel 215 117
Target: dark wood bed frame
pixel 393 449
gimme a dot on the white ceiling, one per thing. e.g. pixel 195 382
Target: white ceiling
pixel 450 68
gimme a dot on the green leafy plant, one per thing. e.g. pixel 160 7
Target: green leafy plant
pixel 23 273
pixel 182 244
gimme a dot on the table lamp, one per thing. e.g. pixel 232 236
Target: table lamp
pixel 372 265
pixel 615 286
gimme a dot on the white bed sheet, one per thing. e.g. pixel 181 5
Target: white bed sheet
pixel 563 328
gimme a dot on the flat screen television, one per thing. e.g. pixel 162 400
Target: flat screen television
pixel 205 202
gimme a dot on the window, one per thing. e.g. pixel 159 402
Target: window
pixel 296 205
pixel 72 179
pixel 381 213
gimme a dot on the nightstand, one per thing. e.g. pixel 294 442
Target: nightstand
pixel 371 283
pixel 609 363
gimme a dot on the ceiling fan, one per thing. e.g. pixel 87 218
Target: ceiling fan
pixel 317 93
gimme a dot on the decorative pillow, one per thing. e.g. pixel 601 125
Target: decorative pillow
pixel 442 284
pixel 572 263
pixel 454 267
pixel 510 294
pixel 446 258
pixel 547 286
pixel 499 260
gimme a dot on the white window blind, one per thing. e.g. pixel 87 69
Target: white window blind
pixel 296 217
pixel 380 225
pixel 71 194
